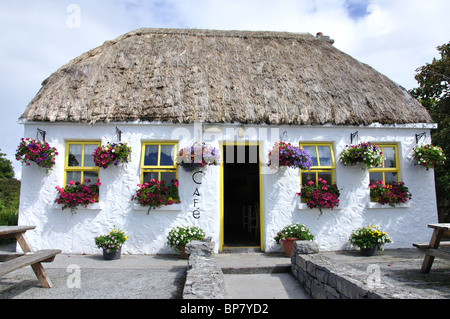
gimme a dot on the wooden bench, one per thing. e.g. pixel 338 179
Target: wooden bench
pixel 34 259
pixel 431 249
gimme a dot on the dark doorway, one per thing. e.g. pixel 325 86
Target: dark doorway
pixel 241 196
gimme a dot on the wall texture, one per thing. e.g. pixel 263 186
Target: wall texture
pixel 74 233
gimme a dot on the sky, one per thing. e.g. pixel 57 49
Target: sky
pixel 38 36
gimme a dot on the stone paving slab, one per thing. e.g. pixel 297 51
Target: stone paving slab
pixel 91 277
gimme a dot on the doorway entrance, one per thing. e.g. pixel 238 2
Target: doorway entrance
pixel 241 196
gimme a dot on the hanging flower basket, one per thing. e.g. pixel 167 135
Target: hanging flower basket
pixel 321 196
pixel 41 153
pixel 428 156
pixel 113 153
pixel 285 154
pixel 76 194
pixel 198 156
pixel 367 154
pixel 156 194
pixel 392 193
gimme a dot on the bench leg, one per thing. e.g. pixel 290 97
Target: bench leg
pixel 40 273
pixel 434 244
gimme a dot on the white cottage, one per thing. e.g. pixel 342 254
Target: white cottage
pixel 160 90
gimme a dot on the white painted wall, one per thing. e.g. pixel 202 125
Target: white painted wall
pixel 147 233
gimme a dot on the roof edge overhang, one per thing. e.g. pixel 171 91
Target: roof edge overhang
pixel 428 126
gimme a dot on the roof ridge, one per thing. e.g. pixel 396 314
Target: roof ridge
pixel 222 33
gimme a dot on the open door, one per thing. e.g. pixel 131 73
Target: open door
pixel 241 196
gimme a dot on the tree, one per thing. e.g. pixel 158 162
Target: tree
pixel 434 94
pixel 6 169
pixel 9 193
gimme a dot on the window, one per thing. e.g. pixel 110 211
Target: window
pixel 323 163
pixel 79 163
pixel 390 171
pixel 158 161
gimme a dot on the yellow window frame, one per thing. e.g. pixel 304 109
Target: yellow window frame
pixel 319 168
pixel 384 169
pixel 80 168
pixel 159 168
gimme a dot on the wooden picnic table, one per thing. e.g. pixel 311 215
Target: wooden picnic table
pixel 431 249
pixel 28 258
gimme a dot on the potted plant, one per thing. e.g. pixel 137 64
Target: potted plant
pixel 392 193
pixel 428 156
pixel 41 153
pixel 108 154
pixel 287 155
pixel 111 243
pixel 366 154
pixel 291 233
pixel 197 156
pixel 157 193
pixel 76 194
pixel 369 239
pixel 179 236
pixel 321 196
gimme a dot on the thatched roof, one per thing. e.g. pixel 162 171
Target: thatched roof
pixel 180 76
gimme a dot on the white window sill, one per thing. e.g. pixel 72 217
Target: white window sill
pixel 375 205
pixel 93 206
pixel 304 206
pixel 173 207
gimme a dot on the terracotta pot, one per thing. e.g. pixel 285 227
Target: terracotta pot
pixel 183 253
pixel 288 246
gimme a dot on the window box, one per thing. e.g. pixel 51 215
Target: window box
pixel 92 207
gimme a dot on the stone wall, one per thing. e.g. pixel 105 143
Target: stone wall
pixel 204 278
pixel 322 281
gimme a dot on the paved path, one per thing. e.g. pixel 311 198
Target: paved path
pixel 263 286
pixel 259 276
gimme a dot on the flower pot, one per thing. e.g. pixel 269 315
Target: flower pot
pixel 288 246
pixel 112 256
pixel 369 251
pixel 183 252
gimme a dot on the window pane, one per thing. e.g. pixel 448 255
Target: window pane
pixel 168 176
pixel 75 151
pixel 307 177
pixel 166 155
pixel 324 155
pixel 73 176
pixel 389 155
pixel 91 176
pixel 326 176
pixel 312 150
pixel 151 155
pixel 374 177
pixel 88 159
pixel 149 176
pixel 390 177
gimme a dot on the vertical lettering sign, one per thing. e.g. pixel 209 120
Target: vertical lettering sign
pixel 197 178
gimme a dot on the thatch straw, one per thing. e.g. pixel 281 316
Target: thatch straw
pixel 180 76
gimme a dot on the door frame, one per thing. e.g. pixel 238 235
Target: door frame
pixel 261 207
